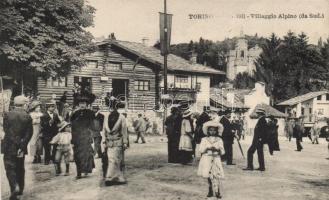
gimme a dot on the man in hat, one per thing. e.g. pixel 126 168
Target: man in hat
pixel 173 126
pixel 49 128
pixel 228 137
pixel 258 141
pixel 17 125
pixel 140 128
pixel 82 121
pixel 203 118
pixel 96 129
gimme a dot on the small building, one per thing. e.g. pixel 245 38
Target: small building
pixel 242 59
pixel 133 73
pixel 245 102
pixel 312 106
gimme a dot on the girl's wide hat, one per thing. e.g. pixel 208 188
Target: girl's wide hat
pixel 187 113
pixel 62 125
pixel 215 124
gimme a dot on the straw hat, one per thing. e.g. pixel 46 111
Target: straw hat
pixel 62 125
pixel 187 113
pixel 20 100
pixel 34 104
pixel 212 123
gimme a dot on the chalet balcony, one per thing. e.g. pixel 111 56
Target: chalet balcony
pixel 181 94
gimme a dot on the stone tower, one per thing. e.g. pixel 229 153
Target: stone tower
pixel 241 59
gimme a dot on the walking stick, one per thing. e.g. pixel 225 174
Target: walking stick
pixel 240 147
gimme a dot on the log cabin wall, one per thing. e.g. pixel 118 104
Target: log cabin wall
pixel 137 100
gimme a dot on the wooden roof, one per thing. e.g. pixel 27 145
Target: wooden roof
pixel 301 98
pixel 269 110
pixel 151 54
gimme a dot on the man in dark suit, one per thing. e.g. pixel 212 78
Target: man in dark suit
pixel 260 138
pixel 49 128
pixel 96 130
pixel 203 118
pixel 17 125
pixel 228 137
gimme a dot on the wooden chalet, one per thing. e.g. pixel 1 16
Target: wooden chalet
pixel 133 72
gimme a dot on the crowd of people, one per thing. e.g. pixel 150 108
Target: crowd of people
pixel 211 136
pixel 78 135
pixel 56 132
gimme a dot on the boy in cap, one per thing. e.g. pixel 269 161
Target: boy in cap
pixel 63 141
pixel 17 125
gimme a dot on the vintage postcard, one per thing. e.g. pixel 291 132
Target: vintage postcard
pixel 164 99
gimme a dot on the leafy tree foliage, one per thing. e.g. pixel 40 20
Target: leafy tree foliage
pixel 244 81
pixel 42 36
pixel 290 66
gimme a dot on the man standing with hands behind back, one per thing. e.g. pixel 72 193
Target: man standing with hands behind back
pixel 17 125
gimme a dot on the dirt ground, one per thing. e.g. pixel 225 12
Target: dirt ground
pixel 290 175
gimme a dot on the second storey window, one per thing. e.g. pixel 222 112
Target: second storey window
pixel 181 81
pixel 114 66
pixel 142 85
pixel 92 64
pixel 319 97
pixel 57 82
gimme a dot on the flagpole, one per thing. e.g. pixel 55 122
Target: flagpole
pixel 166 50
pixel 165 87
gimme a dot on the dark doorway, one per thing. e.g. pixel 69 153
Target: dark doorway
pixel 120 89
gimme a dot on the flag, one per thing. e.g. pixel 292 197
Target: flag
pixel 165 30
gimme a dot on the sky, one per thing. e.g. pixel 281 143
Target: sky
pixel 132 20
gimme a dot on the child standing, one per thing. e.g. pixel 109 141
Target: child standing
pixel 211 149
pixel 63 141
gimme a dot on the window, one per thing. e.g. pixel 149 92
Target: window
pixel 320 111
pixel 115 66
pixel 92 64
pixel 57 82
pixel 181 81
pixel 242 54
pixel 319 97
pixel 142 85
pixel 327 97
pixel 303 111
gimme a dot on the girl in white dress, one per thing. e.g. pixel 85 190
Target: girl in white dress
pixel 211 149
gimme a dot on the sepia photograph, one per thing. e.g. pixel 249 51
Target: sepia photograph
pixel 164 99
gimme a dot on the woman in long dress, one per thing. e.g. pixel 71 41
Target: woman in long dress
pixel 116 142
pixel 35 144
pixel 82 140
pixel 186 138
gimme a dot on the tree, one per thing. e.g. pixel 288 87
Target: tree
pixel 47 38
pixel 244 81
pixel 288 65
